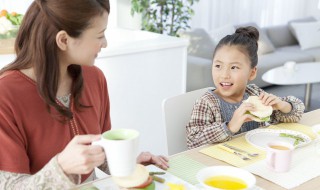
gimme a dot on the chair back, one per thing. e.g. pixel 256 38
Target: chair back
pixel 177 113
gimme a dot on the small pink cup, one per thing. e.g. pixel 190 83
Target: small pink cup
pixel 279 156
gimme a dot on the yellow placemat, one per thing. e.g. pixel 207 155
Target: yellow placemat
pixel 239 142
pixel 295 127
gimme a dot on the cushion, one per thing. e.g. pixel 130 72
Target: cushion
pixel 264 44
pixel 306 19
pixel 308 34
pixel 281 36
pixel 200 43
pixel 221 32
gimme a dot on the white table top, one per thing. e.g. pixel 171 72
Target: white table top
pixel 302 74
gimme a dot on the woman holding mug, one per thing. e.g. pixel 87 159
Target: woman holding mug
pixel 54 103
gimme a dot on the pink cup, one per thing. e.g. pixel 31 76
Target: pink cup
pixel 279 156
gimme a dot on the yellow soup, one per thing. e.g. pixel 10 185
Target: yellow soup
pixel 225 182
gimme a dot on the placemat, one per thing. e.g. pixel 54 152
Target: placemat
pixel 304 167
pixel 185 168
pixel 239 142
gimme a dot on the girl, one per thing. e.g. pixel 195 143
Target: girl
pixel 221 113
pixel 53 101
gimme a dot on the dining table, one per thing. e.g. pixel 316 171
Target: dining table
pixel 308 119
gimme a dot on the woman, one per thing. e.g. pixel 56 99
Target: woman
pixel 53 99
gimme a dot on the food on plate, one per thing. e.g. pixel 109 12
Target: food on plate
pixel 138 180
pixel 262 112
pixel 297 138
pixel 225 182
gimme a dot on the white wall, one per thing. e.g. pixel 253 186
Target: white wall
pixel 19 6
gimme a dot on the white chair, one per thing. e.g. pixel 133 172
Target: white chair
pixel 176 112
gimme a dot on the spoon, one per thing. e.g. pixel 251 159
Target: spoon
pixel 240 150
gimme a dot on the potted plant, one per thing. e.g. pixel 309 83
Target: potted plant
pixel 9 25
pixel 164 16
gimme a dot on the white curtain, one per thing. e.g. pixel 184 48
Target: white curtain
pixel 211 14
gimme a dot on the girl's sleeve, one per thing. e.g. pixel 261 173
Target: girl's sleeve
pixel 278 116
pixel 51 176
pixel 291 117
pixel 206 126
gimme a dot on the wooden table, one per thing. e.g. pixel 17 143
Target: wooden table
pixel 309 118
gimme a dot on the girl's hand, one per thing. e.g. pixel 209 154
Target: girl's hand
pixel 240 116
pixel 147 158
pixel 275 102
pixel 80 157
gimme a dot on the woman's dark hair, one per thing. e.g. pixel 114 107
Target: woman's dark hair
pixel 36 46
pixel 247 39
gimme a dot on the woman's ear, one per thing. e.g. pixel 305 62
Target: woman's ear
pixel 62 39
pixel 253 74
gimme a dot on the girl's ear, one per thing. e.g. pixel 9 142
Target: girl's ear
pixel 62 39
pixel 253 74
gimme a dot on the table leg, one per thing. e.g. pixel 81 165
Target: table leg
pixel 307 95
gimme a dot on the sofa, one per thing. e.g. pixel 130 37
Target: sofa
pixel 298 41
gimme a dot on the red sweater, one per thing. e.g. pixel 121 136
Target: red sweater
pixel 30 136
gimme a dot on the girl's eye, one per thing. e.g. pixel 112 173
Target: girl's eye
pixel 217 66
pixel 101 37
pixel 234 67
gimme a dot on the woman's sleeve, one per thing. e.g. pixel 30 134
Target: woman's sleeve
pixel 204 128
pixel 51 176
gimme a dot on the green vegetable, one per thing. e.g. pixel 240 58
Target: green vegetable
pixel 158 179
pixel 297 138
pixel 157 173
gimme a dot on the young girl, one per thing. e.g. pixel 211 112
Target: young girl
pixel 54 103
pixel 221 113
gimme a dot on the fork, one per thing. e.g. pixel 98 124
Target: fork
pixel 234 152
pixel 240 150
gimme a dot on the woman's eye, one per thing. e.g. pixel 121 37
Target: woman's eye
pixel 217 66
pixel 101 37
pixel 234 67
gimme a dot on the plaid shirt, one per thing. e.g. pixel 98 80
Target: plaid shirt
pixel 207 125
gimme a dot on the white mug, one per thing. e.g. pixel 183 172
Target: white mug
pixel 121 148
pixel 279 156
pixel 290 66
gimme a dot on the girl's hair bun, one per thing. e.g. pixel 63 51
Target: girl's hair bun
pixel 248 31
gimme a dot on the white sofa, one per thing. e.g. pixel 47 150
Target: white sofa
pixel 296 41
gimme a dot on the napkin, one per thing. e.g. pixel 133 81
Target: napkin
pixel 304 167
pixel 239 142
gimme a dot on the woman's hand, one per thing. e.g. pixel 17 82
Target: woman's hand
pixel 147 158
pixel 79 157
pixel 276 103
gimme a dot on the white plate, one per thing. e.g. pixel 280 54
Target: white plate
pixel 261 137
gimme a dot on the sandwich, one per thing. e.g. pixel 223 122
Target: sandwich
pixel 138 180
pixel 261 112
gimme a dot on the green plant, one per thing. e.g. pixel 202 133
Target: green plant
pixel 164 16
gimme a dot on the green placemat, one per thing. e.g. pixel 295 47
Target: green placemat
pixel 185 168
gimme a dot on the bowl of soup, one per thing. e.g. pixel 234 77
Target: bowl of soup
pixel 225 177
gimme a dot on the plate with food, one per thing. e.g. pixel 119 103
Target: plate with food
pixel 261 137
